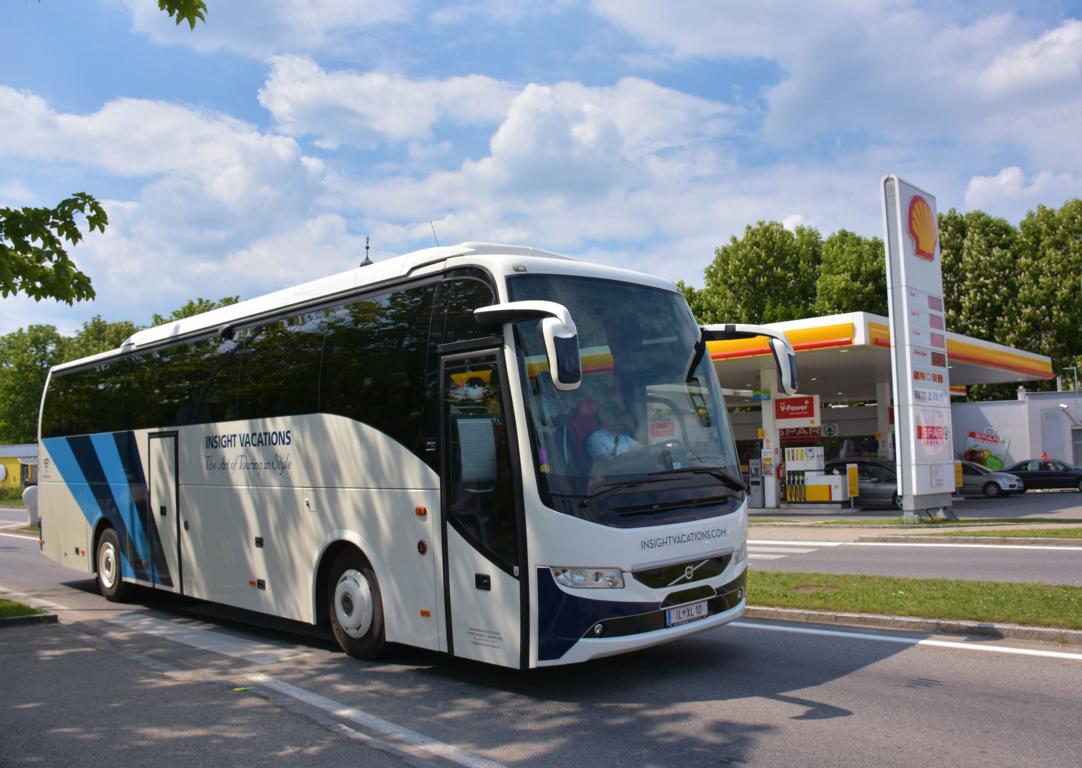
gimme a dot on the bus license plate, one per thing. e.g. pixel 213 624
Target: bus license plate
pixel 685 613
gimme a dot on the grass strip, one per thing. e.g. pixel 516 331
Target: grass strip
pixel 10 609
pixel 1037 605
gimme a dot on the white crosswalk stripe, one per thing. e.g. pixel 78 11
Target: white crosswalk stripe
pixel 766 549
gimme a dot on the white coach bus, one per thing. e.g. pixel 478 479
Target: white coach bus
pixel 492 451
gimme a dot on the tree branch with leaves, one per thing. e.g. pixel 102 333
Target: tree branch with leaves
pixel 33 255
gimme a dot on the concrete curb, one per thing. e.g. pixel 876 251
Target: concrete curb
pixel 35 618
pixel 1016 540
pixel 912 624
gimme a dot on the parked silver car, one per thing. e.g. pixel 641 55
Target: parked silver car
pixel 877 480
pixel 977 479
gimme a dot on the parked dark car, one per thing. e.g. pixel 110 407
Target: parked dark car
pixel 977 479
pixel 877 480
pixel 1047 473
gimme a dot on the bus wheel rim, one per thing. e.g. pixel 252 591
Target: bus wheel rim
pixel 108 565
pixel 353 604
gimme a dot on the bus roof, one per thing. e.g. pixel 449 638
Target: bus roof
pixel 389 271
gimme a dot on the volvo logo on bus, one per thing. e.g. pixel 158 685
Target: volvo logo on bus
pixel 689 572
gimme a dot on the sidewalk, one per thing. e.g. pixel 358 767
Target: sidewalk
pixel 72 698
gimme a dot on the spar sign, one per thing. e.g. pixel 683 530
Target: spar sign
pixel 919 362
pixel 797 411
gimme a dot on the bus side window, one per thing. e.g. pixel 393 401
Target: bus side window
pixel 373 361
pixel 462 296
pixel 279 369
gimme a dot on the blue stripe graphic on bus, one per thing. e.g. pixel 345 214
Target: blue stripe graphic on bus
pixel 105 475
pixel 98 483
pixel 69 470
pixel 128 454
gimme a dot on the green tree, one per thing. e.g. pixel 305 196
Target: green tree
pixel 980 272
pixel 97 336
pixel 852 275
pixel 193 307
pixel 33 257
pixel 185 10
pixel 766 276
pixel 1047 277
pixel 25 359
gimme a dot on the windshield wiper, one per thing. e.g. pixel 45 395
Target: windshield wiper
pixel 609 488
pixel 715 472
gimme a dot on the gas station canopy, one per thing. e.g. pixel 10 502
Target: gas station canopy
pixel 843 357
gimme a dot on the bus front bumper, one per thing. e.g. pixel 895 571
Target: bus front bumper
pixel 574 629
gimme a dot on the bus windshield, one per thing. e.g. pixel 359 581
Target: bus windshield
pixel 646 439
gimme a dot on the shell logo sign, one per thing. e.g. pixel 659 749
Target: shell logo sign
pixel 922 227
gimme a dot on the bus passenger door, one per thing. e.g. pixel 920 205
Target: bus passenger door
pixel 483 531
pixel 162 512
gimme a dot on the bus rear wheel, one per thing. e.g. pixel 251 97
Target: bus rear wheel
pixel 355 606
pixel 111 582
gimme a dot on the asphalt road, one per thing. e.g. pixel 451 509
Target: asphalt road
pixel 175 683
pixel 985 562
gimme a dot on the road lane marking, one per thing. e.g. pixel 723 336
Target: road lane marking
pixel 1043 547
pixel 795 542
pixel 208 639
pixel 765 549
pixel 439 748
pixel 214 640
pixel 780 550
pixel 910 641
pixel 26 536
pixel 959 545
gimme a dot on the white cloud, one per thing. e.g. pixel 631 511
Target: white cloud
pixel 211 178
pixel 316 247
pixel 366 109
pixel 1051 62
pixel 890 70
pixel 15 194
pixel 1010 191
pixel 504 12
pixel 220 207
pixel 793 221
pixel 575 141
pixel 263 28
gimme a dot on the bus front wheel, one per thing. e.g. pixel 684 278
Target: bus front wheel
pixel 110 578
pixel 355 606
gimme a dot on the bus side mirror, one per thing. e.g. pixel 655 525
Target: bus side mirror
pixel 557 330
pixel 562 351
pixel 780 348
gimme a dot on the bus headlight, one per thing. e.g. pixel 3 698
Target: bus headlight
pixel 741 553
pixel 588 578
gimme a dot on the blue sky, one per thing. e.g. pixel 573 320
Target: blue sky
pixel 260 149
